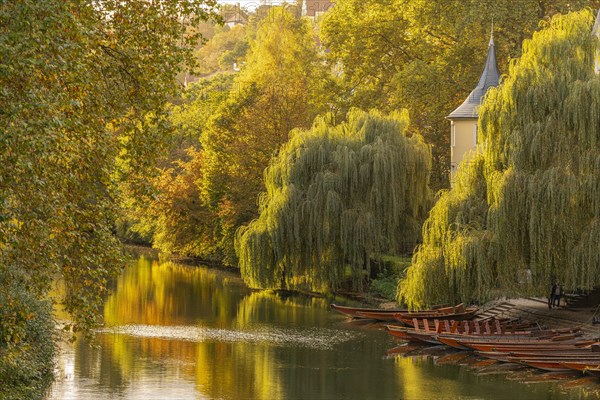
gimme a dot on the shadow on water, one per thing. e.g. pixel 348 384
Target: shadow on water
pixel 179 332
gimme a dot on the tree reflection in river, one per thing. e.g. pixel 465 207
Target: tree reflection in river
pixel 177 332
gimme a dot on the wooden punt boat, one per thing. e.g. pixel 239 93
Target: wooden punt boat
pixel 474 327
pixel 582 365
pixel 538 345
pixel 575 353
pixel 383 314
pixel 482 343
pixel 452 342
pixel 557 364
pixel 376 315
pixel 554 337
pixel 407 318
pixel 436 337
pixel 452 332
pixel 398 333
pixel 353 311
pixel 545 365
pixel 422 336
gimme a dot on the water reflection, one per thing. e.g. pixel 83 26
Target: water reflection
pixel 176 332
pixel 155 293
pixel 203 327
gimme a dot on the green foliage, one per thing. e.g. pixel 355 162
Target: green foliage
pixel 228 46
pixel 26 340
pixel 426 55
pixel 523 211
pixel 224 131
pixel 384 286
pixel 83 84
pixel 173 216
pixel 182 223
pixel 335 195
pixel 392 264
pixel 284 85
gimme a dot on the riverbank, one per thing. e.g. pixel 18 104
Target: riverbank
pixel 536 309
pixel 529 309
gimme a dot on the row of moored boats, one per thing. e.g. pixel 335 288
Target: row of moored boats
pixel 498 339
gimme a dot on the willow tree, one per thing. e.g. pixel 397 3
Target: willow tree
pixel 335 195
pixel 525 209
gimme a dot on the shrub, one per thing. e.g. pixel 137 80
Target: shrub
pixel 26 340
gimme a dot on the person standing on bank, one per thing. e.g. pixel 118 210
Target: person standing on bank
pixel 557 294
pixel 551 297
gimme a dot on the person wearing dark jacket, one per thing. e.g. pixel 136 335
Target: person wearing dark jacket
pixel 551 297
pixel 557 294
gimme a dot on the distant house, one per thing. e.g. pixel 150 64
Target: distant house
pixel 234 15
pixel 463 120
pixel 315 8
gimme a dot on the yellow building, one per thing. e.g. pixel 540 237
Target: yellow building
pixel 596 31
pixel 463 120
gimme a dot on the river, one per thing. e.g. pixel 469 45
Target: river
pixel 181 332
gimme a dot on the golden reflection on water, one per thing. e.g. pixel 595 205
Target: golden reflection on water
pixel 269 308
pixel 176 332
pixel 416 383
pixel 154 293
pixel 165 294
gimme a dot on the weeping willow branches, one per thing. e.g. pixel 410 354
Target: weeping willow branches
pixel 334 195
pixel 525 208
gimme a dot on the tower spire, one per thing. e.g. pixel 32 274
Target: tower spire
pixel 490 77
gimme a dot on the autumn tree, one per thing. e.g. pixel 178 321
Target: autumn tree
pixel 173 217
pixel 81 81
pixel 228 46
pixel 284 85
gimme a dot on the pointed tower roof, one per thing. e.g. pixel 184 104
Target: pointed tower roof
pixel 490 77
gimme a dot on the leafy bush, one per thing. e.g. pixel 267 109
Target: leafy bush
pixel 385 286
pixel 26 340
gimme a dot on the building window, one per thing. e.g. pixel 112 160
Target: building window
pixel 452 134
pixel 475 135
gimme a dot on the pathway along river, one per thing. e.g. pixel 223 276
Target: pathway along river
pixel 180 332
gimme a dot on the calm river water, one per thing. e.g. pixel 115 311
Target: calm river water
pixel 179 332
